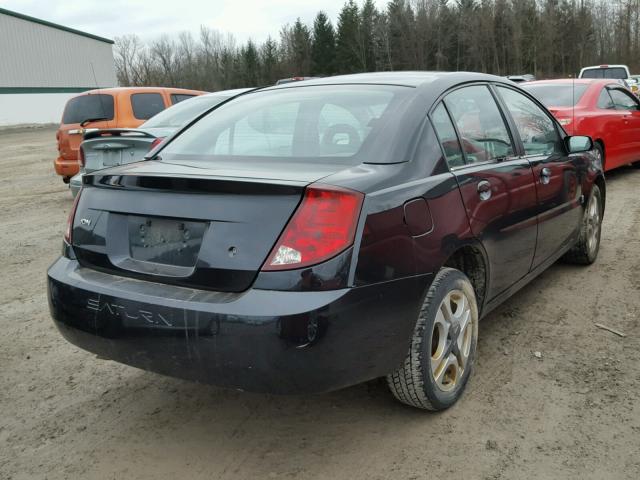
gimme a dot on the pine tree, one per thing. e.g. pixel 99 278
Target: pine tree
pixel 269 62
pixel 301 48
pixel 402 38
pixel 323 47
pixel 347 59
pixel 366 36
pixel 250 64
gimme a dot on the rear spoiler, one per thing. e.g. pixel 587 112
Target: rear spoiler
pixel 117 132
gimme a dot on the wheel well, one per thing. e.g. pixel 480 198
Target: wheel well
pixel 470 261
pixel 604 151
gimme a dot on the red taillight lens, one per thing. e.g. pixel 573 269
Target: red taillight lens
pixel 156 142
pixel 81 159
pixel 323 226
pixel 72 214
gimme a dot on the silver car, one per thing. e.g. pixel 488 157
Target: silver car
pixel 107 148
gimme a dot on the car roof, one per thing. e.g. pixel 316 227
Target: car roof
pixel 605 66
pixel 408 79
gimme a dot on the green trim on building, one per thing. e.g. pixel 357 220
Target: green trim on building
pixel 45 89
pixel 53 25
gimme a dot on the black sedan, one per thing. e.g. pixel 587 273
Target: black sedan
pixel 307 237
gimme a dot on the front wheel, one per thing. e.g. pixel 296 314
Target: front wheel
pixel 585 251
pixel 443 348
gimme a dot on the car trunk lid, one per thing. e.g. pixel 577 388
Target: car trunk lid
pixel 113 147
pixel 185 225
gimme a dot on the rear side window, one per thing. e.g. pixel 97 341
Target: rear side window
pixel 604 100
pixel 483 133
pixel 146 105
pixel 179 97
pixel 537 131
pixel 623 100
pixel 447 136
pixel 88 107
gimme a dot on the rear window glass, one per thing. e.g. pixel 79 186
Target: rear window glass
pixel 554 95
pixel 88 107
pixel 616 72
pixel 307 122
pixel 179 115
pixel 179 97
pixel 146 105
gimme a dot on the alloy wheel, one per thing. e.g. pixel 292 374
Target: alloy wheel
pixel 451 340
pixel 593 223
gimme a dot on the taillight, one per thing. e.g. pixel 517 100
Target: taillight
pixel 156 142
pixel 69 231
pixel 323 226
pixel 81 159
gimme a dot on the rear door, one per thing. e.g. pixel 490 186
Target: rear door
pixel 497 185
pixel 555 173
pixel 610 122
pixel 628 108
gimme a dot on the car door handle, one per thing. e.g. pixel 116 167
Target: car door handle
pixel 484 190
pixel 545 175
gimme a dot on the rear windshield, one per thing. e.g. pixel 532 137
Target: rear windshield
pixel 554 95
pixel 88 107
pixel 615 72
pixel 146 105
pixel 334 122
pixel 179 115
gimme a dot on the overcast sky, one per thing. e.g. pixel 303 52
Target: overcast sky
pixel 149 19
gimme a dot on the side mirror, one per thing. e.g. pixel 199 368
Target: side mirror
pixel 578 144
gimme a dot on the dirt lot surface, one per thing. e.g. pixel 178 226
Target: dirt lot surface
pixel 574 413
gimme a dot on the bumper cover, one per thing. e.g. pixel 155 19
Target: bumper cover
pixel 258 340
pixel 66 168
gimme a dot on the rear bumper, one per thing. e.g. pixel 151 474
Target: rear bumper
pixel 258 340
pixel 66 168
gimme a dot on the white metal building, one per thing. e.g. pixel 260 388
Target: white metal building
pixel 43 64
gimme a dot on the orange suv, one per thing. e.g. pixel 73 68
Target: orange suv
pixel 123 107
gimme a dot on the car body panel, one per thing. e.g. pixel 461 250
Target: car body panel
pixel 348 319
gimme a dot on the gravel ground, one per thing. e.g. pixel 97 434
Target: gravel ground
pixel 574 413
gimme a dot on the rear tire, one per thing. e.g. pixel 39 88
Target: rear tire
pixel 443 348
pixel 585 251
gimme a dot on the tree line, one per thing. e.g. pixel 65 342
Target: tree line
pixel 547 38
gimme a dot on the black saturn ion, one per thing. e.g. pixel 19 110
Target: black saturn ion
pixel 306 237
